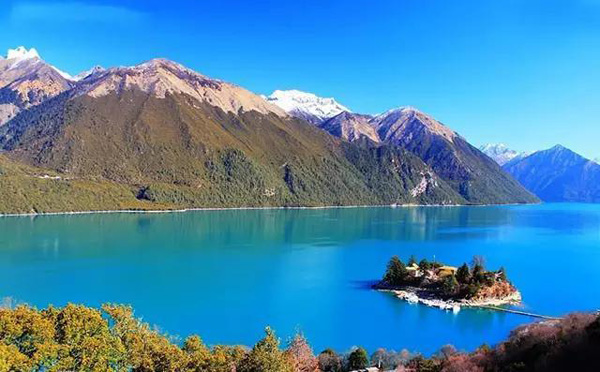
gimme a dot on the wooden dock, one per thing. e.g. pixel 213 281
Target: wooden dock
pixel 519 312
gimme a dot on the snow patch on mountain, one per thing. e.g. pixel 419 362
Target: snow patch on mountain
pixel 62 73
pixel 21 53
pixel 401 109
pixel 300 103
pixel 85 74
pixel 501 153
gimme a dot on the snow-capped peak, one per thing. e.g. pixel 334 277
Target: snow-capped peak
pixel 401 109
pixel 501 153
pixel 497 148
pixel 295 101
pixel 94 70
pixel 22 53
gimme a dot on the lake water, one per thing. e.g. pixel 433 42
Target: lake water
pixel 225 275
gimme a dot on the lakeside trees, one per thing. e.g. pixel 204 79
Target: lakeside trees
pixel 79 338
pixel 358 359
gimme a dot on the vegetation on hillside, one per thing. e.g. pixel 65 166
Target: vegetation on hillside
pixel 79 338
pixel 177 152
pixel 26 189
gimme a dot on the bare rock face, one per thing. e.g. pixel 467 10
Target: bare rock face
pixel 402 124
pixel 351 127
pixel 26 80
pixel 160 77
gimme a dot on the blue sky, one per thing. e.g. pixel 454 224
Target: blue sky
pixel 523 72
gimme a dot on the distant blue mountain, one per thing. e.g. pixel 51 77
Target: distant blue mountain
pixel 558 175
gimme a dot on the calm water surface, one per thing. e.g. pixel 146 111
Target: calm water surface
pixel 226 274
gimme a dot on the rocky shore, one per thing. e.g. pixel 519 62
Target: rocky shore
pixel 415 295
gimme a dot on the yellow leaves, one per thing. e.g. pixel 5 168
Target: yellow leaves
pixel 79 338
pixel 27 326
pixel 266 356
pixel 98 354
pixel 76 322
pixel 198 357
pixel 225 358
pixel 72 338
pixel 12 360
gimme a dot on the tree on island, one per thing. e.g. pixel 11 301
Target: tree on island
pixel 478 261
pixel 412 261
pixel 502 274
pixel 425 265
pixel 478 269
pixel 396 272
pixel 450 285
pixel 463 275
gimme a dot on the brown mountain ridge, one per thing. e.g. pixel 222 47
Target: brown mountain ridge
pixel 177 138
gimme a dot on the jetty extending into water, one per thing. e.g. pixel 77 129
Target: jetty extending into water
pixel 513 311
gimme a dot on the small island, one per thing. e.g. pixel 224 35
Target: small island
pixel 448 287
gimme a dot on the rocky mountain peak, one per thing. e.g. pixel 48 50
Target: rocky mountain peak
pixel 351 127
pixel 559 148
pixel 85 74
pixel 558 174
pixel 406 119
pixel 26 80
pixel 161 77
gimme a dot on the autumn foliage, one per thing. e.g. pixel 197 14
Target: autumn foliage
pixel 79 338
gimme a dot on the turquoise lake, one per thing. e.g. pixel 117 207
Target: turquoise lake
pixel 225 275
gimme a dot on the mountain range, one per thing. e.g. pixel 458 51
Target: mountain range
pixel 558 175
pixel 159 135
pixel 555 175
pixel 465 168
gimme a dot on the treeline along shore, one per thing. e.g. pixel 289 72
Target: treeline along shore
pixel 80 338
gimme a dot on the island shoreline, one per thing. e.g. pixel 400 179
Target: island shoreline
pixel 411 296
